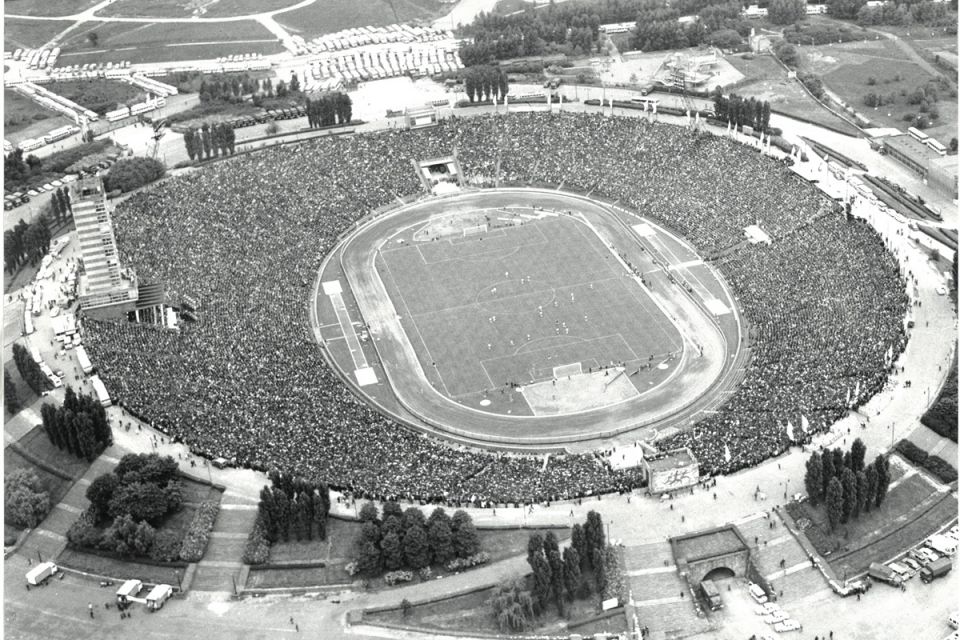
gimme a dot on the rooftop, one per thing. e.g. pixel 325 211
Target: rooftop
pixel 910 147
pixel 674 459
pixel 708 544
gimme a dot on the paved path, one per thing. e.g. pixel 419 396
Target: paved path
pixel 90 15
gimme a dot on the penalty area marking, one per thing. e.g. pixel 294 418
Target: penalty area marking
pixel 716 307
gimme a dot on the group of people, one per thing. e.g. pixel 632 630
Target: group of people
pixel 245 238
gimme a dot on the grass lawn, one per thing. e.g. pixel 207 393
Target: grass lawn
pixel 117 569
pixel 36 444
pixel 30 34
pixel 294 578
pixel 767 80
pixel 182 8
pixel 47 7
pixel 329 16
pixel 847 70
pixel 471 612
pixel 98 95
pixel 506 543
pixel 19 112
pixel 164 42
pixel 892 528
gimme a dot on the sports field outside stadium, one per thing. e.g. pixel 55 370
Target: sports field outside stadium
pixel 529 317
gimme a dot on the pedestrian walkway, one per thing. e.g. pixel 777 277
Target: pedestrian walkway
pixel 219 571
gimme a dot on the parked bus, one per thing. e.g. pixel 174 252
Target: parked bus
pixel 937 147
pixel 85 365
pixel 916 134
pixel 101 391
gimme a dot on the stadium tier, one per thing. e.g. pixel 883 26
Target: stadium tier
pixel 824 301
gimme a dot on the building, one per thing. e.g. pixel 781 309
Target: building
pixel 940 172
pixel 670 471
pixel 105 290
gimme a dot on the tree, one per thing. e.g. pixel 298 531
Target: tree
pixel 294 82
pixel 838 465
pixel 413 517
pixel 849 482
pixel 594 532
pixel 440 539
pixel 128 174
pixel 26 502
pixel 190 142
pixel 834 502
pixel 534 547
pixel 140 500
pixel 416 549
pixel 368 513
pixel 813 480
pixel 10 400
pixel 542 581
pixel 578 541
pixel 466 542
pixel 392 551
pixel 828 471
pixel 953 144
pixel 787 11
pixel 100 493
pixel 858 452
pixel 93 38
pixel 882 466
pixel 571 571
pixel 557 578
pixel 862 494
pixel 369 560
pixel 871 492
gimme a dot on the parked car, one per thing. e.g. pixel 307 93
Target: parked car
pixel 787 625
pixel 910 562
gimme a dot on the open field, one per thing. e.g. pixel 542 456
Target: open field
pixel 164 42
pixel 98 95
pixel 47 7
pixel 123 570
pixel 20 112
pixel 328 16
pixel 847 70
pixel 30 33
pixel 767 80
pixel 187 8
pixel 574 307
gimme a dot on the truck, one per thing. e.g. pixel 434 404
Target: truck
pixel 40 573
pixel 85 365
pixel 711 594
pixel 158 595
pixel 883 573
pixel 935 569
pixel 128 590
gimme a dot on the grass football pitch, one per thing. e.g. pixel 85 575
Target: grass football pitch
pixel 511 304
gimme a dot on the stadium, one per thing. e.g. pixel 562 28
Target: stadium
pixel 355 327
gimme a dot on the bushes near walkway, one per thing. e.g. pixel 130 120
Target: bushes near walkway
pixel 936 465
pixel 29 370
pixel 942 416
pixel 197 536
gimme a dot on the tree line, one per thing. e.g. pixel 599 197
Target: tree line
pixel 210 141
pixel 409 540
pixel 483 81
pixel 26 243
pixel 10 400
pixel 294 506
pixel 742 111
pixel 79 425
pixel 329 108
pixel 558 578
pixel 29 370
pixel 845 483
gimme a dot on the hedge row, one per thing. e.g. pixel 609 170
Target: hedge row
pixel 257 549
pixel 197 536
pixel 934 464
pixel 942 416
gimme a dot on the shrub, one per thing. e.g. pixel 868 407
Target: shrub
pixel 459 564
pixel 166 547
pixel 257 549
pixel 942 416
pixel 352 568
pixel 83 532
pixel 26 502
pixel 195 540
pixel 393 577
pixel 425 573
pixel 912 452
pixel 615 585
pixel 942 469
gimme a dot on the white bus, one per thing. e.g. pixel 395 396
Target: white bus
pixel 937 146
pixel 916 134
pixel 84 361
pixel 101 391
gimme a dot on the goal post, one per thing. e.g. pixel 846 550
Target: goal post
pixel 474 230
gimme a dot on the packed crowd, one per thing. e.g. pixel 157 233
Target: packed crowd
pixel 245 238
